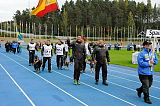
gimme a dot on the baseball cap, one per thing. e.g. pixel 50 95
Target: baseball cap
pixel 146 43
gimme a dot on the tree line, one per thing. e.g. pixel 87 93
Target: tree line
pixel 93 18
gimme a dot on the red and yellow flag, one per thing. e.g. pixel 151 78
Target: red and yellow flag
pixel 44 7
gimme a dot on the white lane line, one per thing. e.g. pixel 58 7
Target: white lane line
pixel 47 81
pixel 121 85
pixel 129 70
pixel 97 89
pixel 18 86
pixel 120 73
pixel 128 80
pixel 114 84
pixel 130 74
pixel 71 78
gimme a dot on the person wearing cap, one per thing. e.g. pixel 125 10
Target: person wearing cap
pixel 145 70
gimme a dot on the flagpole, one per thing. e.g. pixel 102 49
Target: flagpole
pixel 76 31
pixel 128 33
pixel 95 33
pixel 52 32
pixel 40 27
pixel 26 30
pixel 58 30
pixel 89 35
pixel 1 28
pixel 70 31
pixel 35 30
pixel 124 33
pixel 111 34
pixel 87 32
pixel 121 33
pixel 10 28
pixel 29 31
pixel 117 35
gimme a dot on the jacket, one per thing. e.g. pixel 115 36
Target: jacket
pixel 144 59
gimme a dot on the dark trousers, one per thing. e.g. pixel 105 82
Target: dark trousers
pixel 84 65
pixel 77 68
pixel 146 81
pixel 60 61
pixel 104 71
pixel 7 49
pixel 65 57
pixel 14 50
pixel 18 49
pixel 31 56
pixel 49 62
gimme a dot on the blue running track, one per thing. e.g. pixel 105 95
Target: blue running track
pixel 20 86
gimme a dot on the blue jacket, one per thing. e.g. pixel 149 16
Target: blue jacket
pixel 14 45
pixel 144 58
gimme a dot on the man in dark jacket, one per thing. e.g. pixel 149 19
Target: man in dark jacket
pixel 79 53
pixel 99 56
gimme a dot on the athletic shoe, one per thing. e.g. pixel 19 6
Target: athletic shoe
pixel 147 100
pixel 138 92
pixel 96 82
pixel 78 83
pixel 105 83
pixel 49 71
pixel 75 82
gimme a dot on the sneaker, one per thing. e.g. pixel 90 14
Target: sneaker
pixel 138 92
pixel 105 83
pixel 75 82
pixel 42 69
pixel 49 71
pixel 29 64
pixel 147 100
pixel 78 83
pixel 96 82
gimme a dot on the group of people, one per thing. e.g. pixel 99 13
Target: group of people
pixel 80 49
pixel 80 52
pixel 13 47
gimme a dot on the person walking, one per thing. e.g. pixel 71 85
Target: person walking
pixel 145 70
pixel 31 48
pixel 47 55
pixel 99 56
pixel 79 53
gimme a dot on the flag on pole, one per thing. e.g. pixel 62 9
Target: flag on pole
pixel 20 36
pixel 44 7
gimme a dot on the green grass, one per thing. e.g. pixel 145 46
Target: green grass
pixel 124 58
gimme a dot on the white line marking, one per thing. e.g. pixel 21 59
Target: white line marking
pixel 130 75
pixel 124 86
pixel 47 81
pixel 97 89
pixel 129 70
pixel 114 84
pixel 18 86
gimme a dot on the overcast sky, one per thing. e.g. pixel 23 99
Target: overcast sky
pixel 9 7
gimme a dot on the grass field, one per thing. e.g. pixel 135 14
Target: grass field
pixel 124 58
